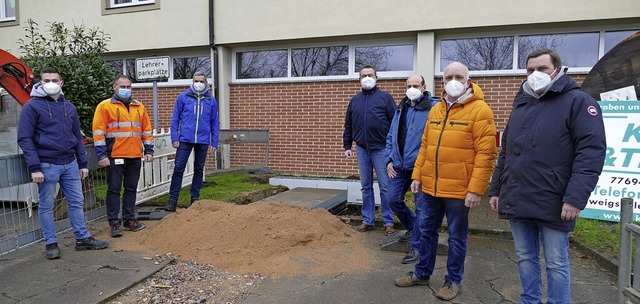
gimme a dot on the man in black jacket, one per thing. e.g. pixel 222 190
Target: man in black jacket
pixel 552 155
pixel 367 122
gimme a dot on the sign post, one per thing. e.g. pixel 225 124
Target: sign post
pixel 153 68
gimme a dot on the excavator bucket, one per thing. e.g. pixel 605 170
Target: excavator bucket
pixel 16 77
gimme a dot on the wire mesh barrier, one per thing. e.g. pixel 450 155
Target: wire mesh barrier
pixel 19 224
pixel 628 282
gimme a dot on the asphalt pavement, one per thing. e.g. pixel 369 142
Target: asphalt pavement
pixel 491 274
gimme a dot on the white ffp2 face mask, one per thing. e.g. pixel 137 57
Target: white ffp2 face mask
pixel 538 81
pixel 454 88
pixel 51 88
pixel 368 83
pixel 199 86
pixel 413 93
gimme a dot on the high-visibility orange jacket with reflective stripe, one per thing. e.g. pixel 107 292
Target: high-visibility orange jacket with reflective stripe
pixel 119 132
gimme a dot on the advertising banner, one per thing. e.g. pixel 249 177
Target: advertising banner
pixel 621 173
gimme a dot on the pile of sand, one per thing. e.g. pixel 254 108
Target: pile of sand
pixel 269 238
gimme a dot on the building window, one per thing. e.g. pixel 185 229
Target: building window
pixel 7 10
pixel 478 54
pixel 185 67
pixel 123 3
pixel 580 51
pixel 385 58
pixel 320 61
pixel 575 50
pixel 393 58
pixel 611 39
pixel 261 64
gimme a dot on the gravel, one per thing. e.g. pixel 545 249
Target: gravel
pixel 190 282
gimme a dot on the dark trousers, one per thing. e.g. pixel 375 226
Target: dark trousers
pixel 182 155
pixel 126 174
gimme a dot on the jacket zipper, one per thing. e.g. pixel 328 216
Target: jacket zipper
pixel 197 107
pixel 444 123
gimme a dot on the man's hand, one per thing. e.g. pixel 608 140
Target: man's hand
pixel 175 144
pixel 37 177
pixel 148 157
pixel 392 172
pixel 348 153
pixel 84 173
pixel 416 186
pixel 494 201
pixel 569 212
pixel 104 162
pixel 212 149
pixel 472 200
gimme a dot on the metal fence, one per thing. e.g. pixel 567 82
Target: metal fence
pixel 628 282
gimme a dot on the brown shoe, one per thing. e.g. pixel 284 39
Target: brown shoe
pixel 448 291
pixel 389 230
pixel 410 280
pixel 364 227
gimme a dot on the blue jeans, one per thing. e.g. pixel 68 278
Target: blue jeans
pixel 367 162
pixel 433 212
pixel 397 188
pixel 182 155
pixel 527 236
pixel 126 174
pixel 68 176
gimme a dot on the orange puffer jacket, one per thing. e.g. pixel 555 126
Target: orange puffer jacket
pixel 458 148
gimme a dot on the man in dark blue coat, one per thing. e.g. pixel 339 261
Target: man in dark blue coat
pixel 49 136
pixel 552 155
pixel 367 122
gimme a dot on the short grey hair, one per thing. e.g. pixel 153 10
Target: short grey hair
pixel 198 73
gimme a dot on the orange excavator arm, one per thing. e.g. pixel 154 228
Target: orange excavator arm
pixel 16 77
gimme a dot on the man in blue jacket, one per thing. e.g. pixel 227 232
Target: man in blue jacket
pixel 49 136
pixel 552 155
pixel 194 126
pixel 403 144
pixel 367 122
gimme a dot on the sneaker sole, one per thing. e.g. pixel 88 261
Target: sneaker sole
pixel 91 248
pixel 413 284
pixel 134 230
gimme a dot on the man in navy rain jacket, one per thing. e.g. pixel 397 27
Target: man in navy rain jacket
pixel 403 144
pixel 194 126
pixel 552 155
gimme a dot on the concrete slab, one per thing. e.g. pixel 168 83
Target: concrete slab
pixel 331 199
pixel 77 277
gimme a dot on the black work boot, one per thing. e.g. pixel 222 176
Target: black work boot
pixel 171 206
pixel 90 244
pixel 52 251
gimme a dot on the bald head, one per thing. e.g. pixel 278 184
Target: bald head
pixel 456 71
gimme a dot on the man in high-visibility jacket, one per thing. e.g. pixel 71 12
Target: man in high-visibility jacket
pixel 121 133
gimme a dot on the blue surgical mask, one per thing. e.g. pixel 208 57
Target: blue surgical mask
pixel 124 93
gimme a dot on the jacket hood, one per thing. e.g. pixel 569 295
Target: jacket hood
pixel 38 91
pixel 560 86
pixel 425 102
pixel 475 94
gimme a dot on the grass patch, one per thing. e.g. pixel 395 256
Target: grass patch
pixel 598 235
pixel 221 187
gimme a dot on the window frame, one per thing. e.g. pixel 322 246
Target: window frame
pixel 516 36
pixel 109 9
pixel 10 21
pixel 112 3
pixel 351 73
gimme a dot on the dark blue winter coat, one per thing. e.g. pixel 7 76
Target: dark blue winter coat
pixel 49 132
pixel 368 118
pixel 552 153
pixel 414 129
pixel 195 118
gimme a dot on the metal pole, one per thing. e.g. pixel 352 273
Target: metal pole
pixel 624 256
pixel 155 105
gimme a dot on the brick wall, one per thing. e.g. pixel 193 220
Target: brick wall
pixel 306 120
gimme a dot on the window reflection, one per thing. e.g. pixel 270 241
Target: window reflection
pixel 184 68
pixel 611 39
pixel 575 50
pixel 261 64
pixel 385 58
pixel 479 54
pixel 320 61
